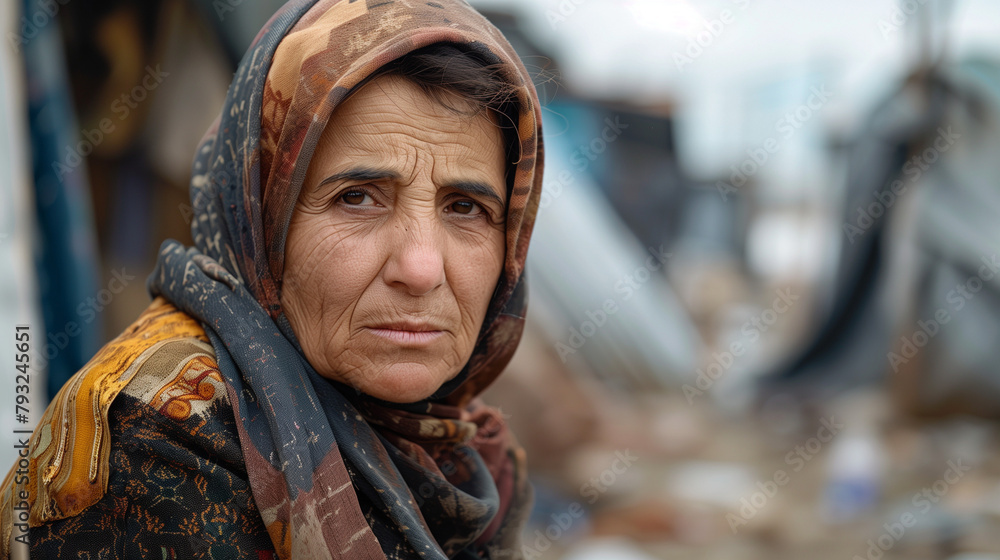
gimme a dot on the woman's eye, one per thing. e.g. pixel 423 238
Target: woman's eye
pixel 465 207
pixel 356 198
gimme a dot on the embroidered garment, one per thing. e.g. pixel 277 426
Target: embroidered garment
pixel 138 456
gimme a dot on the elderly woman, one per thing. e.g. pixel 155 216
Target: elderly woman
pixel 304 383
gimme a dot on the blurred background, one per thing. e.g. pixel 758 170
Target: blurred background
pixel 765 291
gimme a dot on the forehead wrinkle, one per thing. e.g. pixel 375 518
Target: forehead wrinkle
pixel 440 105
pixel 391 131
pixel 383 114
pixel 456 146
pixel 369 150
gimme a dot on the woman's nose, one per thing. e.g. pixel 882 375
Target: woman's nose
pixel 416 263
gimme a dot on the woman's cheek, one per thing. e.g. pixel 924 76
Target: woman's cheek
pixel 476 276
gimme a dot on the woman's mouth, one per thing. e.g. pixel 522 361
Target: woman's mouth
pixel 407 334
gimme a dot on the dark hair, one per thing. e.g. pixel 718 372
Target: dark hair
pixel 448 68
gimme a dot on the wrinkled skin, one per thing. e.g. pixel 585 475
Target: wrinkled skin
pixel 396 243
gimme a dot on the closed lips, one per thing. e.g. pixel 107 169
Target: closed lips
pixel 408 334
pixel 407 326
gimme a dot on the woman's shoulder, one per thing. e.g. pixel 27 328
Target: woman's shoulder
pixel 160 373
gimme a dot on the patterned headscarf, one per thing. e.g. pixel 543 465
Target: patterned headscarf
pixel 336 474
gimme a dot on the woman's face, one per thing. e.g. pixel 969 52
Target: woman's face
pixel 397 241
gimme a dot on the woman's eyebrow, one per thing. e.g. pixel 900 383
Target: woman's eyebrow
pixel 473 188
pixel 360 174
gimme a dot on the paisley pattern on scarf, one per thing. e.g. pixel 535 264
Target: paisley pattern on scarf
pixel 335 474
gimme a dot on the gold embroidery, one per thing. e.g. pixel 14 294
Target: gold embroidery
pixel 70 448
pixel 192 384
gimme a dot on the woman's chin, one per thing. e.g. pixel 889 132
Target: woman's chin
pixel 404 383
